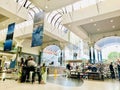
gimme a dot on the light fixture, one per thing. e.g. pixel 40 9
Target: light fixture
pixel 98 29
pixel 46 6
pixel 3 24
pixel 95 24
pixel 113 26
pixel 91 20
pixel 111 21
pixel 69 25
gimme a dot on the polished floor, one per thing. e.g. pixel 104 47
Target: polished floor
pixel 70 82
pixel 87 85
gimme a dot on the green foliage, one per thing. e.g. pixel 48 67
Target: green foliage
pixel 1 44
pixel 113 55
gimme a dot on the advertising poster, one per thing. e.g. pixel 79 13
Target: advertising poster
pixel 37 35
pixel 9 37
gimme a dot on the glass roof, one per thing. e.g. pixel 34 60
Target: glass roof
pixel 50 53
pixel 54 17
pixel 32 9
pixel 108 41
pixel 52 49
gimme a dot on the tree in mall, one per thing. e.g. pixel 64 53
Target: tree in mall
pixel 113 56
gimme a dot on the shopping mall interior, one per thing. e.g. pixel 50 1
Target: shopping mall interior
pixel 60 45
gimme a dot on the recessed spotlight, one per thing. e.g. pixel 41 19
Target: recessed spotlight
pixel 3 24
pixel 46 6
pixel 98 29
pixel 91 20
pixel 113 26
pixel 69 25
pixel 95 24
pixel 101 0
pixel 111 21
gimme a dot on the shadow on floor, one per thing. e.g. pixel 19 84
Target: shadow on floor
pixel 65 81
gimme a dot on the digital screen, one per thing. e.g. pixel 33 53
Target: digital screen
pixel 9 37
pixel 37 36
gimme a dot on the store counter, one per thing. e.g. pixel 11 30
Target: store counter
pixel 94 75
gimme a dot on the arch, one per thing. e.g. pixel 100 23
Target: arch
pixel 51 55
pixel 52 49
pixel 108 41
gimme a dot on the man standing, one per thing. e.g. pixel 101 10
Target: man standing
pixel 112 71
pixel 118 66
pixel 68 68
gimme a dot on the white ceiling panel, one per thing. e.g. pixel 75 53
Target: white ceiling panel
pixel 50 5
pixel 102 26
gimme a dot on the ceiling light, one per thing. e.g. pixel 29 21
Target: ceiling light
pixel 113 26
pixel 46 6
pixel 111 21
pixel 98 29
pixel 3 24
pixel 69 25
pixel 95 24
pixel 91 20
pixel 101 0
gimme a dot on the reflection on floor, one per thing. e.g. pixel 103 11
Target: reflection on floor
pixel 87 85
pixel 65 81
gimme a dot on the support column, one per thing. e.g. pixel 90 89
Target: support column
pixel 19 49
pixel 61 57
pixel 62 54
pixel 91 53
pixel 40 55
pixel 101 56
pixel 94 55
pixel 40 58
pixel 98 56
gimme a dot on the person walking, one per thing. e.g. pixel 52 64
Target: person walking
pixel 118 67
pixel 112 71
pixel 68 68
pixel 38 72
pixel 43 74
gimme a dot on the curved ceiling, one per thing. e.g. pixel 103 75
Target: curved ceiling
pixel 108 41
pixel 32 9
pixel 51 49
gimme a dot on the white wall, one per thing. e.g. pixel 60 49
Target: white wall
pixel 105 7
pixel 74 39
pixel 54 32
pixel 28 49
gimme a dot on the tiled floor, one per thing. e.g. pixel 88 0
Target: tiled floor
pixel 87 85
